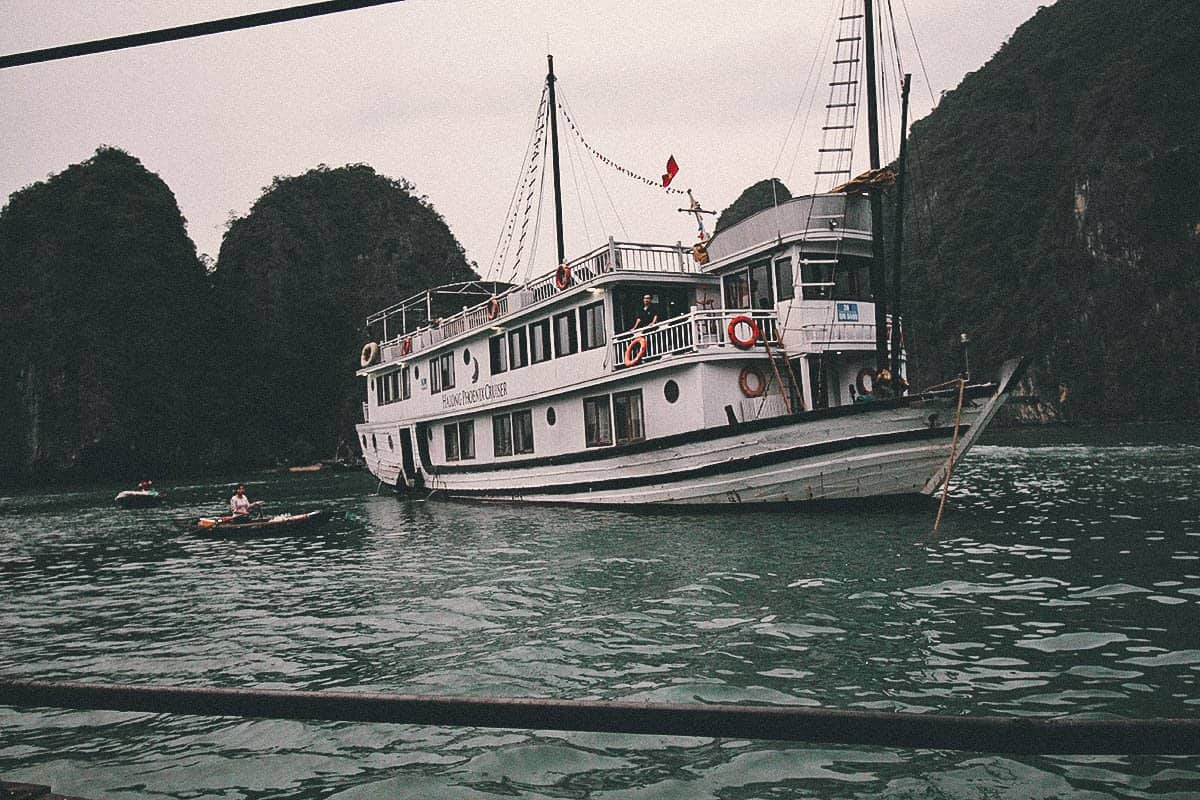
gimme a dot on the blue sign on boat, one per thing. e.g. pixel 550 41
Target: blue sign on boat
pixel 847 312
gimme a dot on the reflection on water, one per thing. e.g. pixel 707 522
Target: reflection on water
pixel 1064 580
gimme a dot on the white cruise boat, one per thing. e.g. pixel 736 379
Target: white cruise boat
pixel 756 385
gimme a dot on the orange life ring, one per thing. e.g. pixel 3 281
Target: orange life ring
pixel 752 372
pixel 633 356
pixel 370 352
pixel 406 348
pixel 562 276
pixel 865 381
pixel 742 319
pixel 493 308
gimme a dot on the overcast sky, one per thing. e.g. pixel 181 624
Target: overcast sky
pixel 443 94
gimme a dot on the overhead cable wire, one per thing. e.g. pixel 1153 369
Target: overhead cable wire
pixel 917 47
pixel 191 31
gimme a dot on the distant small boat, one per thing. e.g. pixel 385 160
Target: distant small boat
pixel 260 526
pixel 306 468
pixel 138 498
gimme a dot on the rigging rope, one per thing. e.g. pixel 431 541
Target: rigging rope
pixel 609 162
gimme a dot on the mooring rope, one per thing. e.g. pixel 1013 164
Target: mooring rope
pixel 983 734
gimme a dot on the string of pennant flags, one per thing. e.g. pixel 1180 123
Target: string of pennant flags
pixel 664 183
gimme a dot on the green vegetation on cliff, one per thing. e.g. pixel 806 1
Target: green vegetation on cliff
pixel 102 298
pixel 297 277
pixel 1055 210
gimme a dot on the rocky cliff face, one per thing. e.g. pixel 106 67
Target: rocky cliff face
pixel 1055 212
pixel 101 301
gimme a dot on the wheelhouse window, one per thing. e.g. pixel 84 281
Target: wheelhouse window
pixel 762 285
pixel 539 341
pixel 737 290
pixel 628 420
pixel 591 326
pixel 597 421
pixel 392 387
pixel 518 349
pixel 460 440
pixel 784 282
pixel 499 354
pixel 566 338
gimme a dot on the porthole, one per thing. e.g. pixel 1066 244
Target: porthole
pixel 374 444
pixel 551 418
pixel 416 372
pixel 671 391
pixel 466 356
pixel 364 441
pixel 391 446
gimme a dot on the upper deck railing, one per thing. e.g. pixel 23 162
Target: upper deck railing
pixel 609 258
pixel 697 330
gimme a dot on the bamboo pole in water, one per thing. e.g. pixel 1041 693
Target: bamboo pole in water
pixel 983 734
pixel 962 385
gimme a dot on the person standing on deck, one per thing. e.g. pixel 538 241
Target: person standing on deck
pixel 649 313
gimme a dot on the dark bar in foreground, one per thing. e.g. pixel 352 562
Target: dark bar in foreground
pixel 786 724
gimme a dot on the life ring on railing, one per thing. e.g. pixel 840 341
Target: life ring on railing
pixel 635 350
pixel 738 341
pixel 865 382
pixel 406 347
pixel 370 352
pixel 562 276
pixel 752 382
pixel 493 308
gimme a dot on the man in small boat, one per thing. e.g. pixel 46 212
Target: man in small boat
pixel 145 486
pixel 240 505
pixel 648 314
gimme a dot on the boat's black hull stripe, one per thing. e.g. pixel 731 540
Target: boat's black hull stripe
pixel 678 439
pixel 720 468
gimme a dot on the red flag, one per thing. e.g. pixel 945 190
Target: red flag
pixel 672 168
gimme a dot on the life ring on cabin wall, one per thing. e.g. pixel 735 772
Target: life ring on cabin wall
pixel 406 347
pixel 562 276
pixel 752 382
pixel 732 330
pixel 493 308
pixel 635 350
pixel 865 382
pixel 370 353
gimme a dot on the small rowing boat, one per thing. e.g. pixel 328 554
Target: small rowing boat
pixel 255 526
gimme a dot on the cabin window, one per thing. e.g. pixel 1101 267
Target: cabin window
pixel 566 338
pixel 499 354
pixel 539 341
pixel 522 427
pixel 405 384
pixel 628 421
pixel 784 284
pixel 518 351
pixel 446 362
pixel 460 440
pixel 435 377
pixel 737 290
pixel 591 326
pixel 762 291
pixel 597 421
pixel 502 442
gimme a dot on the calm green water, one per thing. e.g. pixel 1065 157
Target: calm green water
pixel 1065 580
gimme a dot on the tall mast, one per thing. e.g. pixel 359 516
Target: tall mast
pixel 901 169
pixel 878 267
pixel 558 226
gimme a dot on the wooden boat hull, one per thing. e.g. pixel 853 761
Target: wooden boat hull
pixel 223 527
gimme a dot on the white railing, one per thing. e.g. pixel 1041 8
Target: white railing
pixel 694 331
pixel 615 256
